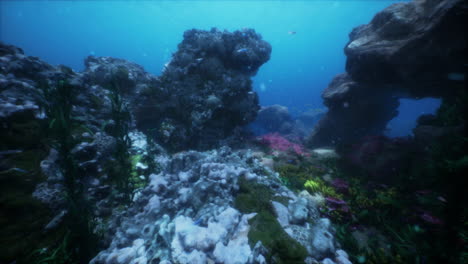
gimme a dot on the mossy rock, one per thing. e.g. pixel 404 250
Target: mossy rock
pixel 22 217
pixel 282 248
pixel 255 197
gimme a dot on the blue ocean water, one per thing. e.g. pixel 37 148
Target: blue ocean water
pixel 147 32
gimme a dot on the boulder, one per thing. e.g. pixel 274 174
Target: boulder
pixel 274 118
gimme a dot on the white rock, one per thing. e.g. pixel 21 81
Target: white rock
pixel 250 176
pixel 153 204
pixel 282 213
pixel 298 211
pixel 195 257
pixel 125 255
pixel 342 257
pixel 341 253
pixel 342 260
pixel 185 194
pixel 140 260
pixel 142 166
pixel 228 218
pixel 184 176
pixel 328 261
pixel 237 250
pixel 157 182
pixel 323 240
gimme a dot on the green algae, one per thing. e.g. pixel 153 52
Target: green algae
pixel 22 217
pixel 255 197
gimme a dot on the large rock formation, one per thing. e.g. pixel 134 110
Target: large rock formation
pixel 409 50
pixel 205 91
pixel 203 95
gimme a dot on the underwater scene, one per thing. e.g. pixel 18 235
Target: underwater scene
pixel 233 132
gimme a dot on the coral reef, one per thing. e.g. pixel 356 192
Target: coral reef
pixel 203 203
pixel 112 92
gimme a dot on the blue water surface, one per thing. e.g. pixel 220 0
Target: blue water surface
pixel 147 32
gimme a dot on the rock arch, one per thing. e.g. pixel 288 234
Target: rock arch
pixel 409 50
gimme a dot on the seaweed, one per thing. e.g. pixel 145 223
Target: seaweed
pixel 78 221
pixel 121 171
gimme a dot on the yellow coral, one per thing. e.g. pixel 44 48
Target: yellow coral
pixel 312 185
pixel 317 186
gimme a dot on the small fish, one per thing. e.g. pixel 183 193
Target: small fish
pixel 427 217
pixel 198 221
pixel 9 152
pixel 335 200
pixel 14 169
pixel 241 50
pixel 19 170
pixel 340 184
pixel 423 192
pixel 442 199
pixel 199 59
pixel 292 32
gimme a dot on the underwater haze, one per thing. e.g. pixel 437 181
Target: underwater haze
pixel 233 132
pixel 307 37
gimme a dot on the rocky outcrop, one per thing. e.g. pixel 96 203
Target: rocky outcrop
pixel 204 94
pixel 409 50
pixel 205 91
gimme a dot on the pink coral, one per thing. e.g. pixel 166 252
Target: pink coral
pixel 335 201
pixel 340 184
pixel 277 142
pixel 429 218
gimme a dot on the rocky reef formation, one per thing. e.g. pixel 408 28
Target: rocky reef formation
pixel 205 91
pixel 204 94
pixel 409 50
pixel 222 206
pixel 199 210
pixel 98 98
